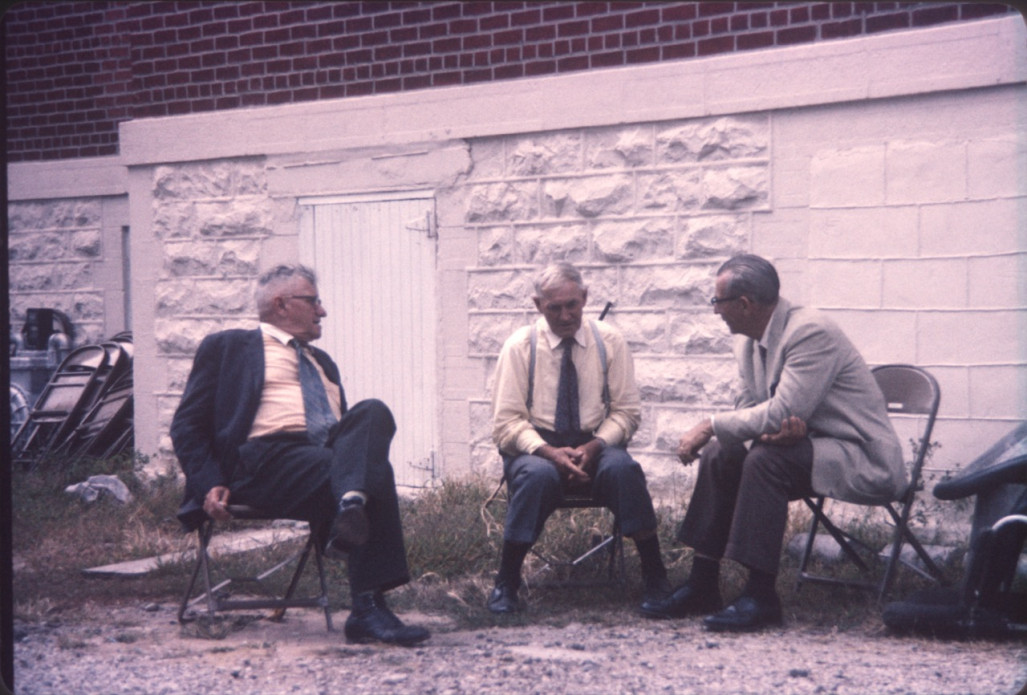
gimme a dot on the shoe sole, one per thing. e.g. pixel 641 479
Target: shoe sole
pixel 655 615
pixel 773 621
pixel 370 639
pixel 349 530
pixel 677 615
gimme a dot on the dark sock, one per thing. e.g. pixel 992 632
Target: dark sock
pixel 760 585
pixel 510 563
pixel 705 573
pixel 651 560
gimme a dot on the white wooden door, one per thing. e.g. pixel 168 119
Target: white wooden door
pixel 375 261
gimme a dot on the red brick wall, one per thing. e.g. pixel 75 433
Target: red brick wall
pixel 76 69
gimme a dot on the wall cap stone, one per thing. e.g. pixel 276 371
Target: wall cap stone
pixel 961 56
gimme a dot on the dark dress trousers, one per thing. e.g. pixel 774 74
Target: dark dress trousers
pixel 286 474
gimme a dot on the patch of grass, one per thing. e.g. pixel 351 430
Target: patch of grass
pixel 56 535
pixel 449 533
pixel 453 535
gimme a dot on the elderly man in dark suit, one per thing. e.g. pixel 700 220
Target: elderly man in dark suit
pixel 264 422
pixel 818 424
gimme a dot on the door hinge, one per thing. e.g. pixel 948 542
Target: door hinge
pixel 427 226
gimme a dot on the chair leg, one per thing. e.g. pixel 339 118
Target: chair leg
pixel 279 613
pixel 202 569
pixel 847 541
pixel 810 538
pixel 319 560
pixel 203 538
pixel 902 535
pixel 280 605
pixel 844 540
pixel 612 543
pixel 313 545
pixel 616 571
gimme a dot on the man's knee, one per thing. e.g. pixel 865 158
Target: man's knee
pixel 618 465
pixel 371 407
pixel 789 465
pixel 718 452
pixel 373 411
pixel 533 472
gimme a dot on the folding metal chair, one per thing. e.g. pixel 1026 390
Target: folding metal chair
pixel 105 428
pixel 611 543
pixel 908 390
pixel 59 408
pixel 216 598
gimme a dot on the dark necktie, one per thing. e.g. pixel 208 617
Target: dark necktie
pixel 567 417
pixel 763 368
pixel 315 400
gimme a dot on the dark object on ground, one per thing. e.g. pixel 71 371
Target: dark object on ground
pixel 986 604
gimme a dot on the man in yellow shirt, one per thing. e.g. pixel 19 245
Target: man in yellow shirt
pixel 264 422
pixel 564 408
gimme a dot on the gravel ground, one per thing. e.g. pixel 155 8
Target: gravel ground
pixel 135 650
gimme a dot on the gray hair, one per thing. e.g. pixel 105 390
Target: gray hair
pixel 753 277
pixel 270 282
pixel 556 274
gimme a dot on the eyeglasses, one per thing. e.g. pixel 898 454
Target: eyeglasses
pixel 311 299
pixel 720 300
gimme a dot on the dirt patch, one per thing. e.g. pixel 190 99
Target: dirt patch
pixel 132 649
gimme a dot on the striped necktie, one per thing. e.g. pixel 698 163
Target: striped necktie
pixel 315 400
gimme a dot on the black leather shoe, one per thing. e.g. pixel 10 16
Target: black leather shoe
pixel 682 602
pixel 372 621
pixel 503 599
pixel 349 530
pixel 655 590
pixel 744 615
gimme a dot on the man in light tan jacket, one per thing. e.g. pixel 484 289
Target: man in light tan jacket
pixel 818 425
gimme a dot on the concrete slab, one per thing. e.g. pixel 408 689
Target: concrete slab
pixel 220 545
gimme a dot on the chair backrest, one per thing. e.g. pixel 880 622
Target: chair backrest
pixel 72 381
pixel 89 357
pixel 910 390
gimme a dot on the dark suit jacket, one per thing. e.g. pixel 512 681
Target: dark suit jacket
pixel 216 413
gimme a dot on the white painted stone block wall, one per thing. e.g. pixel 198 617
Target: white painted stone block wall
pixel 66 254
pixel 647 212
pixel 914 241
pixel 213 223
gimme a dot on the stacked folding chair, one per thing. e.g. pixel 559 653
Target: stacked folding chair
pixel 105 429
pixel 85 409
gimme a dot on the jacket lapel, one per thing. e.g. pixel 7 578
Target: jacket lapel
pixel 775 344
pixel 252 384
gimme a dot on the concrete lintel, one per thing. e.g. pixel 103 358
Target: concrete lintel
pixel 87 177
